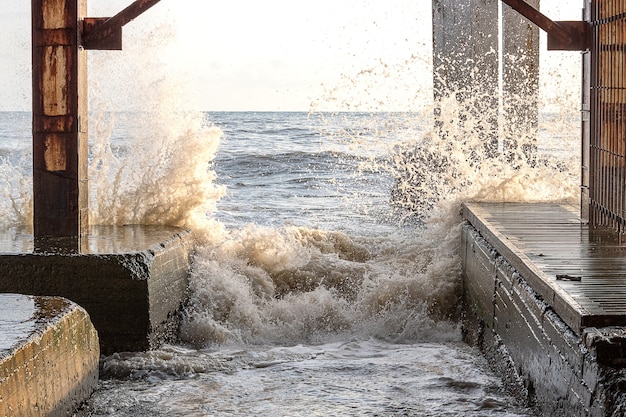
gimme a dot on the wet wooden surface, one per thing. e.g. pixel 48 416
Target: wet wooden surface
pixel 580 273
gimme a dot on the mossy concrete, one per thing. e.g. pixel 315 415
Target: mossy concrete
pixel 132 280
pixel 49 356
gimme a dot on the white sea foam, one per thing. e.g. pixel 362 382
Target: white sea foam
pixel 345 378
pixel 261 285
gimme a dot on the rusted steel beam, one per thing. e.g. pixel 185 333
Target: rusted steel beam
pixel 533 15
pixel 563 35
pixel 106 33
pixel 59 121
pixel 112 41
pixel 576 39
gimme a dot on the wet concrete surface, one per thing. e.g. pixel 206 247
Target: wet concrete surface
pixel 100 240
pixel 560 343
pixel 132 280
pixel 16 321
pixel 49 356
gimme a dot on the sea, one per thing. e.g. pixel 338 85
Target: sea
pixel 326 279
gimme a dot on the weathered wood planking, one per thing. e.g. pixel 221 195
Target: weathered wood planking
pixel 545 240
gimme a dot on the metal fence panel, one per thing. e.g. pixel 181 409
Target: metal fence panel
pixel 607 151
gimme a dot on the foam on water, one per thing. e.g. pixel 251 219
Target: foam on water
pixel 289 285
pixel 344 378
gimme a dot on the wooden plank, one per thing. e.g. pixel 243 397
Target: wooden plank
pixel 556 232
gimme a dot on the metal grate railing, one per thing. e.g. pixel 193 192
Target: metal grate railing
pixel 607 136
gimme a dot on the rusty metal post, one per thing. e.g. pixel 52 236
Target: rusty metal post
pixel 61 35
pixel 60 194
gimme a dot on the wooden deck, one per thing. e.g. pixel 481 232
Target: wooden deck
pixel 580 273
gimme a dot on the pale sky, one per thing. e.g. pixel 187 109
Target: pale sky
pixel 253 55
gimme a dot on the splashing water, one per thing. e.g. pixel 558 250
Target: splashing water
pixel 286 312
pixel 293 305
pixel 266 284
pixel 261 284
pixel 373 276
pixel 145 179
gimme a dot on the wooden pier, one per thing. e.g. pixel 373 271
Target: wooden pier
pixel 545 300
pixel 545 284
pixel 580 273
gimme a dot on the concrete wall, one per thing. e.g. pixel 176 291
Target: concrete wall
pixel 51 366
pixel 133 298
pixel 466 60
pixel 540 358
pixel 465 67
pixel 520 84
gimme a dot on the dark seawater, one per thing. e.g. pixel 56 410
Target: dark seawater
pixel 299 168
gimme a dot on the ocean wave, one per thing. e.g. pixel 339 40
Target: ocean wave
pixel 285 285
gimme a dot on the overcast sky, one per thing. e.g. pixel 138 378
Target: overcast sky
pixel 251 54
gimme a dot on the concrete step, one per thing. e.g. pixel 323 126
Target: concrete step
pixel 49 355
pixel 132 279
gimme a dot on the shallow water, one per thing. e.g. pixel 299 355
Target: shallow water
pixel 17 323
pixel 369 378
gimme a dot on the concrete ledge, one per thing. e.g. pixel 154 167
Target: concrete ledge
pixel 560 371
pixel 49 356
pixel 132 280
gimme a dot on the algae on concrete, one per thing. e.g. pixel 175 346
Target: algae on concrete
pixel 49 356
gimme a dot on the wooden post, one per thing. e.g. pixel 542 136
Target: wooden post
pixel 60 194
